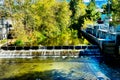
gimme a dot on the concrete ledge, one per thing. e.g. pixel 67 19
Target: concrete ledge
pixel 49 47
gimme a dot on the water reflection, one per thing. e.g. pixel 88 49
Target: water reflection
pixel 68 68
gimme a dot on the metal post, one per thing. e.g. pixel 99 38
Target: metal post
pixel 109 8
pixel 109 5
pixel 2 23
pixel 109 11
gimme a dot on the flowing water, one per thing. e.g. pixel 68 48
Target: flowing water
pixel 83 64
pixel 57 68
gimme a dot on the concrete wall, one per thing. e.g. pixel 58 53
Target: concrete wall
pixel 5 26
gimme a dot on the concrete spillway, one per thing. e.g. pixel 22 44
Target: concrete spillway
pixel 76 51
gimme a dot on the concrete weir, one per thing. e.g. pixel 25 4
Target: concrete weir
pixel 107 39
pixel 49 51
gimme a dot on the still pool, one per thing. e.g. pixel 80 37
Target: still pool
pixel 84 68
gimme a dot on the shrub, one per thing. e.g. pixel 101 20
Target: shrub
pixel 19 43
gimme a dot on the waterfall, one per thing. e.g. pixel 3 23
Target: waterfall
pixel 66 51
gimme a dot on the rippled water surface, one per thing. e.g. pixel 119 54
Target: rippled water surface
pixel 84 68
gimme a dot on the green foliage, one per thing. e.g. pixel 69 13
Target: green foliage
pixel 113 11
pixel 78 14
pixel 36 38
pixel 92 14
pixel 86 42
pixel 50 22
pixel 19 31
pixel 78 9
pixel 3 41
pixel 19 43
pixel 74 38
pixel 87 22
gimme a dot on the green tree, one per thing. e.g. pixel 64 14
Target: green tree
pixel 46 22
pixel 78 14
pixel 115 11
pixel 52 19
pixel 112 9
pixel 92 14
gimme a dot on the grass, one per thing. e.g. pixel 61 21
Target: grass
pixel 3 41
